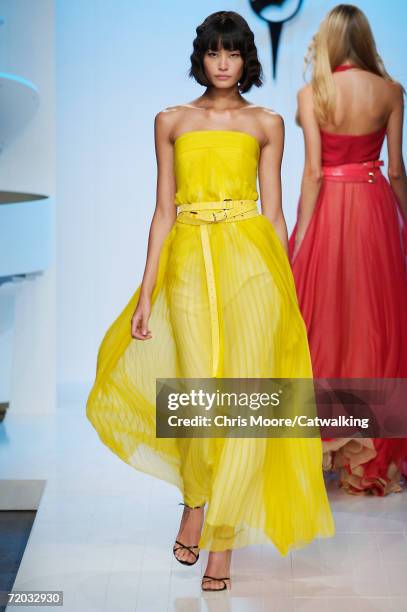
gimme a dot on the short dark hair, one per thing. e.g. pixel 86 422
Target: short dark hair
pixel 231 31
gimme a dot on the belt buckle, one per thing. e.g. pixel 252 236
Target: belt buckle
pixel 222 218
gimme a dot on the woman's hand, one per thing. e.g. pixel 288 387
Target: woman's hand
pixel 139 321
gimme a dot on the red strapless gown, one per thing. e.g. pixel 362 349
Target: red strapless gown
pixel 351 279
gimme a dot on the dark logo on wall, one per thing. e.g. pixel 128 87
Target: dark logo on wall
pixel 275 13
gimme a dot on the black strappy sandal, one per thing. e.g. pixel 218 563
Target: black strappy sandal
pixel 181 545
pixel 214 578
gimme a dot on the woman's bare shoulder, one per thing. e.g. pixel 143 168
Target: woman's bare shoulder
pixel 396 91
pixel 304 93
pixel 268 123
pixel 173 116
pixel 167 119
pixel 170 113
pixel 269 119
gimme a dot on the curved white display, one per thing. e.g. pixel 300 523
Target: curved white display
pixel 19 101
pixel 25 233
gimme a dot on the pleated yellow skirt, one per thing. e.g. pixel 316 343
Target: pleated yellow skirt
pixel 224 305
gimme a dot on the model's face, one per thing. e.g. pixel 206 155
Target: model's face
pixel 223 68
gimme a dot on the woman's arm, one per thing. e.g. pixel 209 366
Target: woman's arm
pixel 270 176
pixel 312 175
pixel 396 170
pixel 163 219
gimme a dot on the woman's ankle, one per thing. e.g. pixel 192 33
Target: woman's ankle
pixel 191 521
pixel 218 561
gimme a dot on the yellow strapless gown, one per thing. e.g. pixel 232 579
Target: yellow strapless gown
pixel 224 305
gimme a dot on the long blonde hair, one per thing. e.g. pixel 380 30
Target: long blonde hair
pixel 344 33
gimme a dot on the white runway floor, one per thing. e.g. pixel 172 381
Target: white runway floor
pixel 104 534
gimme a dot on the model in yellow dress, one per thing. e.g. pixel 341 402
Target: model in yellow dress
pixel 224 305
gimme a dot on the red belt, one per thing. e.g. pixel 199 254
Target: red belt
pixel 359 172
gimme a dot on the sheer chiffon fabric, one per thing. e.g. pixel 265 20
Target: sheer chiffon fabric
pixel 257 490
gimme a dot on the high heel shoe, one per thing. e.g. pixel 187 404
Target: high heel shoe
pixel 181 545
pixel 209 578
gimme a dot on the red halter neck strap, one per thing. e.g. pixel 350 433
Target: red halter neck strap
pixel 344 67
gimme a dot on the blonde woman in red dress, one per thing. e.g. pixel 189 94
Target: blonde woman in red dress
pixel 348 247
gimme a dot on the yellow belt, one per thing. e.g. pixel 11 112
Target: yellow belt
pixel 196 213
pixel 203 213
